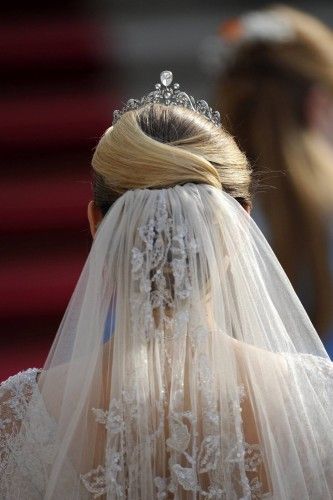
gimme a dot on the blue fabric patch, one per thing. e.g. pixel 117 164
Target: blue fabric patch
pixel 328 343
pixel 109 325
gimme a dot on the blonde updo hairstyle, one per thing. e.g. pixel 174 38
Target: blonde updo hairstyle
pixel 160 146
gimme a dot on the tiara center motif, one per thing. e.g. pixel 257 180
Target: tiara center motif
pixel 170 95
pixel 166 78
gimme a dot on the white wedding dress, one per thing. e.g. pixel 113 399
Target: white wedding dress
pixel 24 462
pixel 210 383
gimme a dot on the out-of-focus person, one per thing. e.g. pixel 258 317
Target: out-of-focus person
pixel 275 91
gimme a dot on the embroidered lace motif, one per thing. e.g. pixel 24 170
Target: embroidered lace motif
pixel 20 457
pixel 16 393
pixel 176 424
pixel 27 441
pixel 207 456
pixel 189 459
pixel 200 458
pixel 161 274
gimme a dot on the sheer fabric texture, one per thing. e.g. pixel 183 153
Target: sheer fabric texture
pixel 185 367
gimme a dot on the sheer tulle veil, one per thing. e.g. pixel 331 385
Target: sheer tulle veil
pixel 185 365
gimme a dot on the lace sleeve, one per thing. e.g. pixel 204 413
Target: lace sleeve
pixel 28 441
pixel 15 395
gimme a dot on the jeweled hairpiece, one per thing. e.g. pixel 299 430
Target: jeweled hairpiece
pixel 169 94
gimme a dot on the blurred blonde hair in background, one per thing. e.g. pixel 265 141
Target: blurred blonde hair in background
pixel 265 95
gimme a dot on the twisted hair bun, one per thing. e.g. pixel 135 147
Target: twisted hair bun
pixel 160 146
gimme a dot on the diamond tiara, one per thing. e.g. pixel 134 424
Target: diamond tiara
pixel 169 94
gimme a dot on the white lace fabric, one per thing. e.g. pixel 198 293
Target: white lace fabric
pixel 23 460
pixel 209 382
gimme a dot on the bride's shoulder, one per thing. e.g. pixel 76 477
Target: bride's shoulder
pixel 320 367
pixel 16 393
pixel 19 387
pixel 24 377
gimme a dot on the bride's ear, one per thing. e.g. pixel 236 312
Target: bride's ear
pixel 94 217
pixel 248 207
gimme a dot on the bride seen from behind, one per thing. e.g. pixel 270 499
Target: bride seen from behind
pixel 185 366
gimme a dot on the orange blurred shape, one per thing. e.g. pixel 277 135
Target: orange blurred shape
pixel 231 30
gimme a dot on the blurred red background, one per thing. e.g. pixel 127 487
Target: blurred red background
pixel 60 68
pixel 56 100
